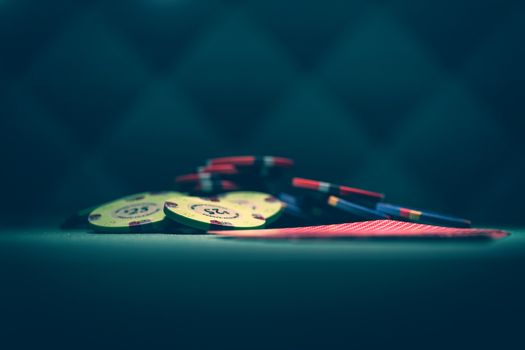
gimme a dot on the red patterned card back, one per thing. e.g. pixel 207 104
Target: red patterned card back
pixel 367 229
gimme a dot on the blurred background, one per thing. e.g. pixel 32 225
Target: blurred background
pixel 421 100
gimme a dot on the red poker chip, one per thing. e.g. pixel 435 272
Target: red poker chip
pixel 215 186
pixel 228 169
pixel 197 177
pixel 338 190
pixel 265 161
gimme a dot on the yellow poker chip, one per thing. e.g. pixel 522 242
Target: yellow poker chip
pixel 258 202
pixel 136 213
pixel 211 213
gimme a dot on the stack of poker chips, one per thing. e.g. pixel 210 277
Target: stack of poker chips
pixel 328 203
pixel 247 192
pixel 224 174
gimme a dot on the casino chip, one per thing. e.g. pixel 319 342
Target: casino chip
pixel 136 213
pixel 258 202
pixel 197 177
pixel 363 197
pixel 312 208
pixel 211 182
pixel 228 169
pixel 266 161
pixel 422 216
pixel 211 186
pixel 289 199
pixel 359 212
pixel 211 213
pixel 214 183
pixel 264 167
pixel 293 214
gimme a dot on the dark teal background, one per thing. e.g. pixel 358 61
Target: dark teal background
pixel 422 100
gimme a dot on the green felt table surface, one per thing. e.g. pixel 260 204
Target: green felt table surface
pixel 199 290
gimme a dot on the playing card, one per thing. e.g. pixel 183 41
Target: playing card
pixel 367 229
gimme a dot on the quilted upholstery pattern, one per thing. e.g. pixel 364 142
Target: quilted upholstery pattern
pixel 420 99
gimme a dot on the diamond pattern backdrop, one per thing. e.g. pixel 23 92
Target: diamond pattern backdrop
pixel 422 100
